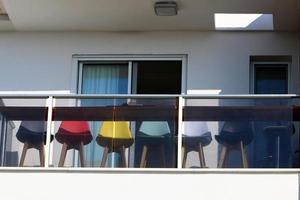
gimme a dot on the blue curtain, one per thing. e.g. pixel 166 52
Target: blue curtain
pixel 102 79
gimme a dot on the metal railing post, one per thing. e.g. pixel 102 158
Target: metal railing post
pixel 49 130
pixel 3 139
pixel 180 126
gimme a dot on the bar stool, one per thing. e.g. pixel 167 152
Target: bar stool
pixel 153 134
pixel 195 137
pixel 235 135
pixel 73 135
pixel 114 136
pixel 33 135
pixel 278 145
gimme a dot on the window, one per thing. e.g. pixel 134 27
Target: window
pixel 157 77
pixel 131 77
pixel 271 78
pixel 272 147
pixel 104 78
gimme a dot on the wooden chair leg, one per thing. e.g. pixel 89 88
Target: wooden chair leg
pixel 81 154
pixel 163 157
pixel 123 157
pixel 183 157
pixel 23 155
pixel 243 155
pixel 63 155
pixel 223 156
pixel 104 157
pixel 42 154
pixel 201 156
pixel 144 155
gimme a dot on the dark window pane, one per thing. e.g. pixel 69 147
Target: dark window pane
pixel 271 79
pixel 159 77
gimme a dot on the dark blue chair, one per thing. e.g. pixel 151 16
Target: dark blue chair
pixel 279 145
pixel 235 135
pixel 33 135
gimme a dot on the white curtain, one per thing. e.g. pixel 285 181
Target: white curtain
pixel 101 79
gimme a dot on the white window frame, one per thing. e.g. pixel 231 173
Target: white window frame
pixel 252 73
pixel 79 59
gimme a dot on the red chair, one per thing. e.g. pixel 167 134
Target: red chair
pixel 73 135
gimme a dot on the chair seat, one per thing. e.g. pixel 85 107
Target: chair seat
pixel 191 143
pixel 72 139
pixel 34 138
pixel 114 144
pixel 275 131
pixel 235 138
pixel 153 140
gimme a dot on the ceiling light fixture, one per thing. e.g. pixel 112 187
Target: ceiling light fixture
pixel 165 8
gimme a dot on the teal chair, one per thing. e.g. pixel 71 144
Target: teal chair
pixel 153 135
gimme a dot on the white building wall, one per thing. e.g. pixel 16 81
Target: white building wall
pixel 65 184
pixel 216 60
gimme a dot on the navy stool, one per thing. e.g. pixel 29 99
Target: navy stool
pixel 278 145
pixel 235 135
pixel 33 135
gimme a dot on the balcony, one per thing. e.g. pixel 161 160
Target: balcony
pixel 150 131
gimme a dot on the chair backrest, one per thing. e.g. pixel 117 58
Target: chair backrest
pixel 238 127
pixel 155 128
pixel 75 127
pixel 243 129
pixel 194 129
pixel 34 126
pixel 115 130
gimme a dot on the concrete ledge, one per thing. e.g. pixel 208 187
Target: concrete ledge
pixel 146 171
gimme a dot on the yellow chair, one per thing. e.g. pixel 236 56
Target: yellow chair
pixel 114 136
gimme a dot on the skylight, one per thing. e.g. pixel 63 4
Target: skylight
pixel 234 21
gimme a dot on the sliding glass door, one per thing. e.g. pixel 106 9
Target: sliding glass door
pixel 128 77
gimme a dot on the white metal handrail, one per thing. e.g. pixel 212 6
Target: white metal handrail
pixel 202 96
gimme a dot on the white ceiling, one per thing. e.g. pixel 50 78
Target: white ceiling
pixel 138 15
